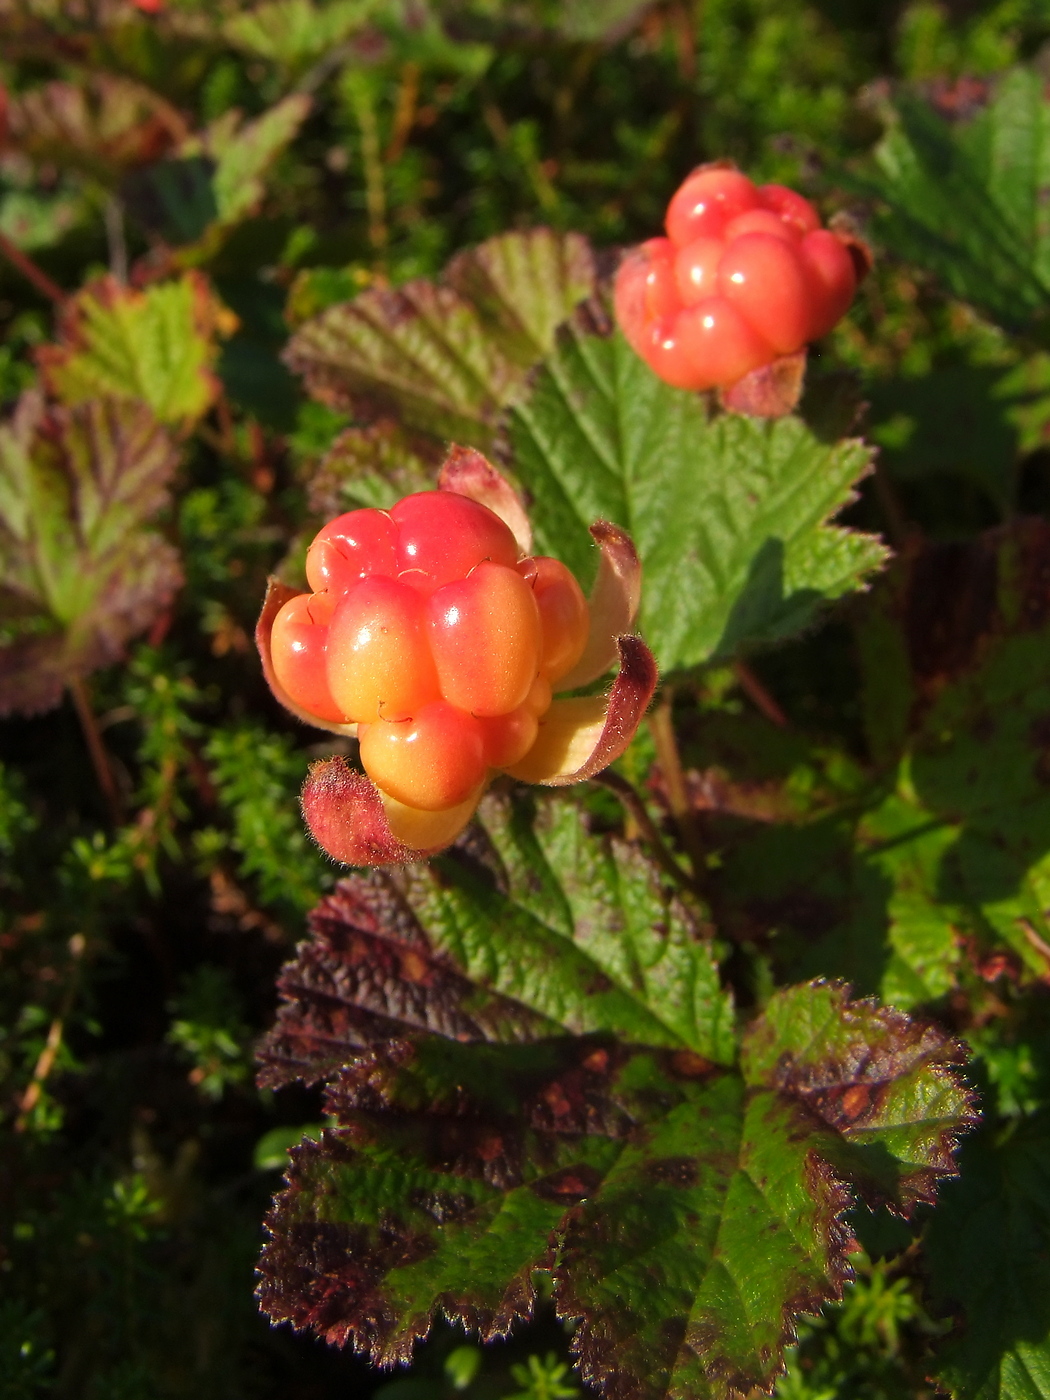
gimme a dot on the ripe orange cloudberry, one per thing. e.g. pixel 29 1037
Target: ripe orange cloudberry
pixel 744 276
pixel 435 636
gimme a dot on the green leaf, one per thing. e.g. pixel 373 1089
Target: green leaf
pixel 729 514
pixel 79 573
pixel 155 347
pixel 244 154
pixel 596 941
pixel 880 1078
pixel 373 466
pixel 444 364
pixel 945 862
pixel 967 201
pixel 292 33
pixel 31 220
pixel 686 1214
pixel 961 419
pixel 988 1247
pixel 553 931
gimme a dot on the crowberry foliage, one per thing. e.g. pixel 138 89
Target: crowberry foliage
pixel 745 275
pixel 433 633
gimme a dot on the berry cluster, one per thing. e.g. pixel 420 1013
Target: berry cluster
pixel 426 630
pixel 745 275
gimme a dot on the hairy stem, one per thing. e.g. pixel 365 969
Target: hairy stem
pixel 96 748
pixel 29 270
pixel 639 815
pixel 661 726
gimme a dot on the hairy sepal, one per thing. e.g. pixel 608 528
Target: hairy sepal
pixel 772 391
pixel 613 603
pixel 350 819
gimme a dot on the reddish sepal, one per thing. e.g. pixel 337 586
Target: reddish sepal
pixel 347 819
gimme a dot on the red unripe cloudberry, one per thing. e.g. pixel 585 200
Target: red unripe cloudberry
pixel 427 631
pixel 745 275
pixel 437 637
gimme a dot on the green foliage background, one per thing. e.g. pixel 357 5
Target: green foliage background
pixel 873 837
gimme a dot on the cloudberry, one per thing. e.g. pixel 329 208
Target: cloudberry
pixel 745 275
pixel 435 634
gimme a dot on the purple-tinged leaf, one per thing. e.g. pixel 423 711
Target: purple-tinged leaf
pixel 446 358
pixel 687 1213
pixel 79 572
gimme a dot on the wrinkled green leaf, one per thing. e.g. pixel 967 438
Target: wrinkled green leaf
pixel 442 363
pixel 729 514
pixel 79 573
pixel 553 931
pixel 156 346
pixel 968 201
pixel 373 466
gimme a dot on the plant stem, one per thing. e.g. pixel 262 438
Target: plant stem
pixel 404 112
pixel 29 270
pixel 372 159
pixel 116 240
pixel 49 1054
pixel 97 749
pixel 898 526
pixel 661 726
pixel 759 695
pixel 637 810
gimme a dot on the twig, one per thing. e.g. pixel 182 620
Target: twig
pixel 116 240
pixel 542 185
pixel 372 159
pixel 638 811
pixel 96 748
pixel 661 726
pixel 49 1054
pixel 404 112
pixel 683 25
pixel 759 695
pixel 28 268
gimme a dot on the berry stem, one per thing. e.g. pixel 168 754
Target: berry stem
pixel 661 726
pixel 30 271
pixel 96 748
pixel 639 814
pixel 759 695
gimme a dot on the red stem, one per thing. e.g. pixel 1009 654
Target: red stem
pixel 759 695
pixel 28 268
pixel 96 748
